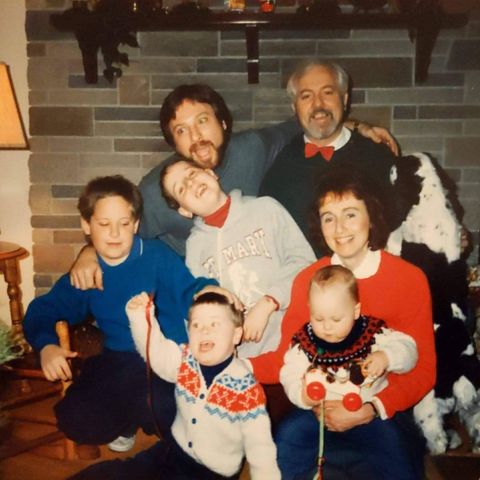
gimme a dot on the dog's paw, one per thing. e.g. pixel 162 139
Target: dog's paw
pixel 438 443
pixel 464 392
pixel 454 439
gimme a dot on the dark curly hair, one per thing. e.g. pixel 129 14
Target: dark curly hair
pixel 339 181
pixel 199 93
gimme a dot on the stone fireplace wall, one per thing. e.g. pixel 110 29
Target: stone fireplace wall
pixel 80 131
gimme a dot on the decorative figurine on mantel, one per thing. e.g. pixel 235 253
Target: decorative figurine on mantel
pixel 324 7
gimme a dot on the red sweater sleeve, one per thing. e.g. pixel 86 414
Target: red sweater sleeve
pixel 413 316
pixel 266 367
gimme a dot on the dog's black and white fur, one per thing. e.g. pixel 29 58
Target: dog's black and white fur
pixel 429 237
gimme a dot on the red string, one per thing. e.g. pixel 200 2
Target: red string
pixel 149 370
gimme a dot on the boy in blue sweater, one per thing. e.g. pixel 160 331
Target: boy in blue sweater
pixel 109 399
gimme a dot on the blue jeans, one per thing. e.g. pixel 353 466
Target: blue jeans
pixel 109 399
pixel 379 450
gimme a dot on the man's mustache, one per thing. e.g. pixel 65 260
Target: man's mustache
pixel 321 110
pixel 200 144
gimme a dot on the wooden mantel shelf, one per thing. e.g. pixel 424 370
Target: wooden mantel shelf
pixel 91 29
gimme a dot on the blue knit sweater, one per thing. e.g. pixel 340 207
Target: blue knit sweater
pixel 151 267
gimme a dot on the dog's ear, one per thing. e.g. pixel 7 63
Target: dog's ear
pixel 407 186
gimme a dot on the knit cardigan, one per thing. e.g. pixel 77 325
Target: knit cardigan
pixel 216 425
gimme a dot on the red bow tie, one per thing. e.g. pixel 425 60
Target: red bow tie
pixel 311 150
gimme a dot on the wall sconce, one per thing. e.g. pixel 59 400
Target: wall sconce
pixel 12 131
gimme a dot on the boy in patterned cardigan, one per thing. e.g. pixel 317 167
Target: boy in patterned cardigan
pixel 221 414
pixel 341 355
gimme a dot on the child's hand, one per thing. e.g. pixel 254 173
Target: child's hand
pixel 305 398
pixel 138 302
pixel 232 298
pixel 86 272
pixel 375 364
pixel 54 362
pixel 256 320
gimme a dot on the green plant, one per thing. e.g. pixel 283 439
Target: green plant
pixel 8 349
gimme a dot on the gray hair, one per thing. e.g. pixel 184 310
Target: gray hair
pixel 303 67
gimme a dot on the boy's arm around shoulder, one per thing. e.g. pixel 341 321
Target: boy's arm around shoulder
pixel 258 443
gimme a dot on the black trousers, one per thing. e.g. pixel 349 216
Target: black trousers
pixel 109 399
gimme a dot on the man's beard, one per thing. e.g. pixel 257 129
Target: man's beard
pixel 207 143
pixel 318 133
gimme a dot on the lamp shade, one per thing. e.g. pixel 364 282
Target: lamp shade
pixel 12 133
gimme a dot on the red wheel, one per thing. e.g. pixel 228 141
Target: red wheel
pixel 352 402
pixel 316 391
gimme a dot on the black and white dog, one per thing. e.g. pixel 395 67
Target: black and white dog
pixel 429 237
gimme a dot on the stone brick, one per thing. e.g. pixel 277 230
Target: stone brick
pixel 229 65
pixel 36 50
pixel 80 144
pixel 472 127
pixel 380 35
pixel 286 47
pixel 128 129
pixel 78 81
pixel 147 65
pixel 412 143
pixel 269 97
pixel 374 115
pixel 63 49
pixel 362 48
pixel 127 113
pixel 52 258
pixel 462 151
pixel 449 111
pixel 64 206
pixel 471 174
pixel 179 44
pixel 134 90
pixel 273 113
pixel 138 144
pixel 76 121
pixel 42 236
pixel 53 168
pixel 37 97
pixel 115 159
pixel 44 281
pixel 55 221
pixel 69 236
pixel 39 144
pixel 151 160
pixel 415 96
pixel 40 199
pixel 472 88
pixel 83 97
pixel 66 191
pixel 428 127
pixel 469 191
pixel 404 112
pixel 464 55
pixel 47 73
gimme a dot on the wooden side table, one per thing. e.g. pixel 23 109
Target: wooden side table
pixel 10 254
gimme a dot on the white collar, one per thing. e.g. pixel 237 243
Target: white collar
pixel 367 268
pixel 339 142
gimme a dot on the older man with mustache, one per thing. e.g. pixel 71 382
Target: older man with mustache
pixel 319 93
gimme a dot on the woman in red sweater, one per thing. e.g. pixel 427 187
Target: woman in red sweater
pixel 349 222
